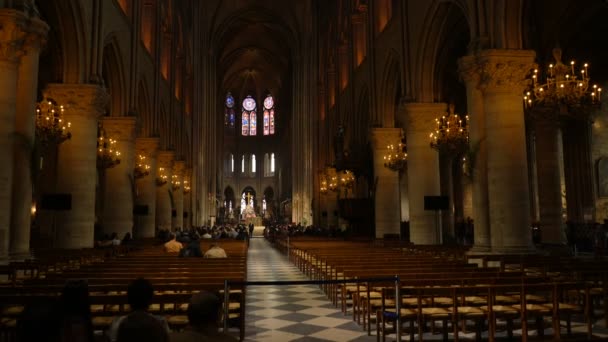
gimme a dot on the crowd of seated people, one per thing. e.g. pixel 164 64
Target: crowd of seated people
pixel 68 318
pixel 293 230
pixel 238 232
pixel 113 240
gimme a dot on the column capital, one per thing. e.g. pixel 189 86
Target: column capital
pixel 13 31
pixel 147 146
pixel 469 70
pixel 505 70
pixel 79 99
pixel 165 159
pixel 121 128
pixel 179 166
pixel 382 137
pixel 37 34
pixel 420 116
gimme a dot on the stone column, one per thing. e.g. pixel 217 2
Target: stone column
pixel 163 198
pixel 422 168
pixel 187 198
pixel 27 86
pixel 77 162
pixel 387 207
pixel 549 181
pixel 12 35
pixel 146 187
pixel 470 71
pixel 119 182
pixel 178 194
pixel 503 82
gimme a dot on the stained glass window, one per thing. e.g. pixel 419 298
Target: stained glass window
pixel 253 123
pixel 272 121
pixel 266 122
pixel 229 111
pixel 269 115
pixel 245 123
pixel 249 116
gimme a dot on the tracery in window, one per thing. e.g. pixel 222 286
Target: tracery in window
pixel 249 117
pixel 229 116
pixel 269 115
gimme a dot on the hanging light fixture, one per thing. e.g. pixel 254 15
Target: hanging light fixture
pixel 396 157
pixel 323 186
pixel 162 177
pixel 565 90
pixel 141 168
pixel 175 183
pixel 107 154
pixel 186 186
pixel 451 134
pixel 51 127
pixel 347 179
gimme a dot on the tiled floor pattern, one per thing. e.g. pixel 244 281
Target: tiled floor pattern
pixel 303 312
pixel 290 313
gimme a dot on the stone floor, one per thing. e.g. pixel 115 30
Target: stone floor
pixel 303 312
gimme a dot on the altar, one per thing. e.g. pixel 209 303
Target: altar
pixel 257 221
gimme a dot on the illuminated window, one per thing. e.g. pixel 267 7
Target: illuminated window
pixel 229 116
pixel 243 164
pixel 253 163
pixel 249 117
pixel 232 163
pixel 269 115
pixel 272 163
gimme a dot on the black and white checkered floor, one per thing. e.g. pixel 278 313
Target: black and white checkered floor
pixel 303 312
pixel 290 313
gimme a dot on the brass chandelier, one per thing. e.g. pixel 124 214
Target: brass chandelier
pixel 175 183
pixel 396 157
pixel 565 90
pixel 141 168
pixel 161 178
pixel 107 154
pixel 333 180
pixel 451 134
pixel 186 186
pixel 51 127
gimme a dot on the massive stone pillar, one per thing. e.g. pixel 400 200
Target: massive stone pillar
pixel 387 207
pixel 178 194
pixel 77 161
pixel 422 168
pixel 164 206
pixel 503 82
pixel 119 182
pixel 27 87
pixel 470 71
pixel 549 181
pixel 146 187
pixel 187 191
pixel 12 33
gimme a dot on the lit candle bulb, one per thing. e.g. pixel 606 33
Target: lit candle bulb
pixel 572 66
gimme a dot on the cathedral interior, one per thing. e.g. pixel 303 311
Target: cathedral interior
pixel 476 126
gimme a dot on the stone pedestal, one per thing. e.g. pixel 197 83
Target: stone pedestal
pixel 21 217
pixel 470 71
pixel 422 168
pixel 549 181
pixel 178 195
pixel 503 81
pixel 146 187
pixel 387 208
pixel 76 162
pixel 119 184
pixel 163 196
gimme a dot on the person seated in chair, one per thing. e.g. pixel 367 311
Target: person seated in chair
pixel 215 251
pixel 173 246
pixel 203 318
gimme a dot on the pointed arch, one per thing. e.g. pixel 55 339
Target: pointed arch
pixel 68 19
pixel 113 75
pixel 390 89
pixel 441 18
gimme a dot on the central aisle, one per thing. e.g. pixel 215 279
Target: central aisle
pixel 290 313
